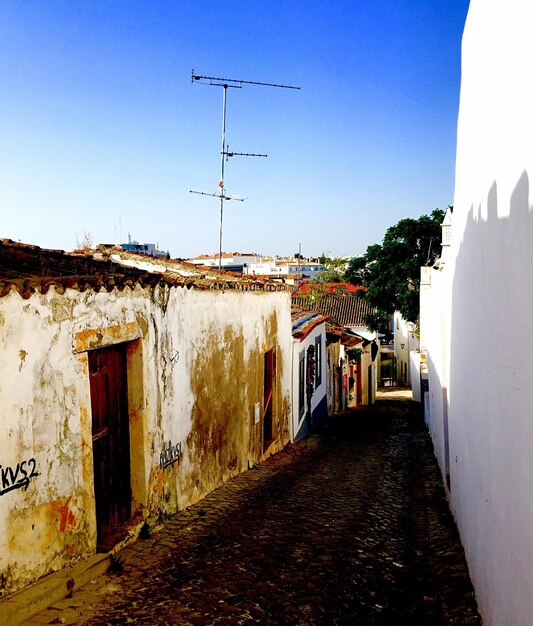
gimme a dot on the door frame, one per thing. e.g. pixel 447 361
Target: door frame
pixel 111 446
pixel 132 334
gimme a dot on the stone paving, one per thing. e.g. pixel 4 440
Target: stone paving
pixel 349 526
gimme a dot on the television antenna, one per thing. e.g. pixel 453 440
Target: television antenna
pixel 225 153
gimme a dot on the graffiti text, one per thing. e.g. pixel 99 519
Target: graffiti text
pixel 170 455
pixel 17 478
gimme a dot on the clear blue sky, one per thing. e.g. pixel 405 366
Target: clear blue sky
pixel 102 131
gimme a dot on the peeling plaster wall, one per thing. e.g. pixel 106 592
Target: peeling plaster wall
pixel 223 373
pixel 195 372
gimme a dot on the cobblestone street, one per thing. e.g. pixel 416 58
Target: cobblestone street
pixel 349 526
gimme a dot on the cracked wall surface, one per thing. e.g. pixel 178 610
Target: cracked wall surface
pixel 195 375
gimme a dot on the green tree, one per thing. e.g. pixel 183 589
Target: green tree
pixel 391 270
pixel 357 271
pixel 333 271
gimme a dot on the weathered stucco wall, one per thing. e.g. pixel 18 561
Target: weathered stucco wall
pixel 195 375
pixel 488 313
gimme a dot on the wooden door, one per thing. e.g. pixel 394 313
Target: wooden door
pixel 110 436
pixel 268 393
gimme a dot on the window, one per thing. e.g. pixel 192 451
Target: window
pixel 301 384
pixel 318 361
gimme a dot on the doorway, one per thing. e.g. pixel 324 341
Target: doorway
pixel 268 394
pixel 111 442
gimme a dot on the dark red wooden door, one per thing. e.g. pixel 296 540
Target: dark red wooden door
pixel 268 389
pixel 111 445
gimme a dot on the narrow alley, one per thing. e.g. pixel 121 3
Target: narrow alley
pixel 349 526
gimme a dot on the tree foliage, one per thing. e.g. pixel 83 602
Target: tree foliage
pixel 333 271
pixel 391 270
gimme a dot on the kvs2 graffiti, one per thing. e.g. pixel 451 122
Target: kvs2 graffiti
pixel 17 478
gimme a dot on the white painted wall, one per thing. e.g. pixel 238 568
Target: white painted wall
pixel 434 343
pixel 415 375
pixel 319 394
pixel 405 340
pixel 477 321
pixel 284 266
pixel 45 405
pixel 227 259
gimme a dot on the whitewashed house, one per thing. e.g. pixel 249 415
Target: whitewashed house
pixel 309 372
pixel 476 315
pixel 230 261
pixel 118 398
pixel 293 271
pixel 360 351
pixel 406 342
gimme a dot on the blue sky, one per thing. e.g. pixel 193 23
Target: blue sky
pixel 102 131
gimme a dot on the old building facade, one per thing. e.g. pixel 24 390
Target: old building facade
pixel 118 396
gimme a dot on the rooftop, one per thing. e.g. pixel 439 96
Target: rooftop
pixel 225 255
pixel 304 321
pixel 317 288
pixel 27 268
pixel 344 310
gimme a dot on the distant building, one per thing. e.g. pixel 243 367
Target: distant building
pixel 230 261
pixel 150 249
pixel 285 268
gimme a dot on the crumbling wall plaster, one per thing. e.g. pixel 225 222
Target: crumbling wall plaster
pixel 195 375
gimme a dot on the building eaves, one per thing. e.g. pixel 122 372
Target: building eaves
pixel 28 269
pixel 173 271
pixel 303 322
pixel 345 310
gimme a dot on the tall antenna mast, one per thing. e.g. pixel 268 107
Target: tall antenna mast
pixel 225 154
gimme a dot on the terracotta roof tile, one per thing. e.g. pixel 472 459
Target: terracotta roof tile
pixel 322 288
pixel 347 310
pixel 27 269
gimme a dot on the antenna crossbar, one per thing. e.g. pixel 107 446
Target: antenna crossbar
pixel 217 195
pixel 225 153
pixel 249 154
pixel 234 82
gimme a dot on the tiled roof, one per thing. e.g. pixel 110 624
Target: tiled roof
pixel 281 276
pixel 310 319
pixel 303 321
pixel 320 288
pixel 28 268
pixel 347 310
